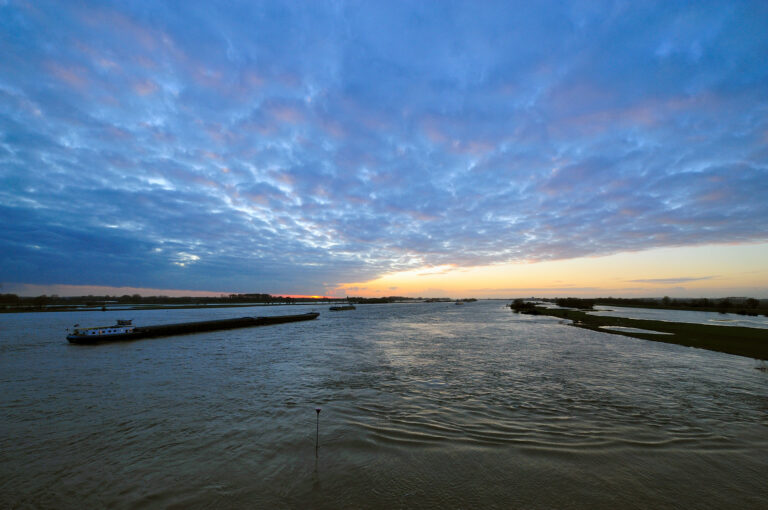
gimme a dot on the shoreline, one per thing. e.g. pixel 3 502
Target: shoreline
pixel 738 340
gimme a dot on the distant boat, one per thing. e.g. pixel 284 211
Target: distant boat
pixel 341 308
pixel 125 330
pixel 459 302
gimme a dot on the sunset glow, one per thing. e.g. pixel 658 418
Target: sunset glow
pixel 681 272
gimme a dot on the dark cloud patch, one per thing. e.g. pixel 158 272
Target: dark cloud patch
pixel 281 148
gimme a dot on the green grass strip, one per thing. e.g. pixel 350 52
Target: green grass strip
pixel 749 342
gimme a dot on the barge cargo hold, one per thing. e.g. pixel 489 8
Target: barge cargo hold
pixel 124 330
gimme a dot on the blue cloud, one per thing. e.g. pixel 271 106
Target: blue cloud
pixel 289 147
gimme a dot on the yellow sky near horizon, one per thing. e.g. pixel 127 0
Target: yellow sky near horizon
pixel 706 271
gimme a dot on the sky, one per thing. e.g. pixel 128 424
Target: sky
pixel 431 148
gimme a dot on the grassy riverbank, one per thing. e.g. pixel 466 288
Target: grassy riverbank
pixel 750 342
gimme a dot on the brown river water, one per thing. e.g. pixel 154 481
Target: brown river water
pixel 423 406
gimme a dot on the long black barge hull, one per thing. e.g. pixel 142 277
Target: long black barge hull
pixel 192 327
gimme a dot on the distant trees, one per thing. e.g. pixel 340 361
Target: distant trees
pixel 129 299
pixel 740 305
pixel 723 305
pixel 523 306
pixel 572 302
pixel 9 299
pixel 627 301
pixel 40 301
pixel 379 300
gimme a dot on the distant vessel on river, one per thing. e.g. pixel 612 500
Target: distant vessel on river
pixel 341 308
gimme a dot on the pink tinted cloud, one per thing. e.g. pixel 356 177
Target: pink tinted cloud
pixel 434 133
pixel 252 79
pixel 258 198
pixel 282 177
pixel 715 196
pixel 118 22
pixel 417 215
pixel 146 63
pixel 210 155
pixel 206 76
pixel 472 147
pixel 333 128
pixel 647 113
pixel 98 57
pixel 437 131
pixel 116 133
pixel 74 76
pixel 287 114
pixel 145 87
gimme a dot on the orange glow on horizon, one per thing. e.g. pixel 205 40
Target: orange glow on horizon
pixel 701 271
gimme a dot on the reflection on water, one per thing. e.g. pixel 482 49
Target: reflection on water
pixel 424 405
pixel 694 317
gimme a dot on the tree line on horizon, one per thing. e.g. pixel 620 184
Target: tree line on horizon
pixel 738 305
pixel 53 301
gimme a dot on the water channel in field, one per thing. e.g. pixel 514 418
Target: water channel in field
pixel 426 405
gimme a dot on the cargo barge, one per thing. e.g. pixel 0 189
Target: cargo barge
pixel 125 330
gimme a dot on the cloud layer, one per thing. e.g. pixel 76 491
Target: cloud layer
pixel 287 147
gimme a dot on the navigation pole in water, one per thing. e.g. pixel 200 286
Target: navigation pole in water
pixel 317 430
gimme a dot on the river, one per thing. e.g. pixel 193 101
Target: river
pixel 423 406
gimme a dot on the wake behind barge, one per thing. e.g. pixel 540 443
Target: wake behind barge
pixel 125 330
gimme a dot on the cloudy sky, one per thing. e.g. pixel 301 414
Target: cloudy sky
pixel 363 147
